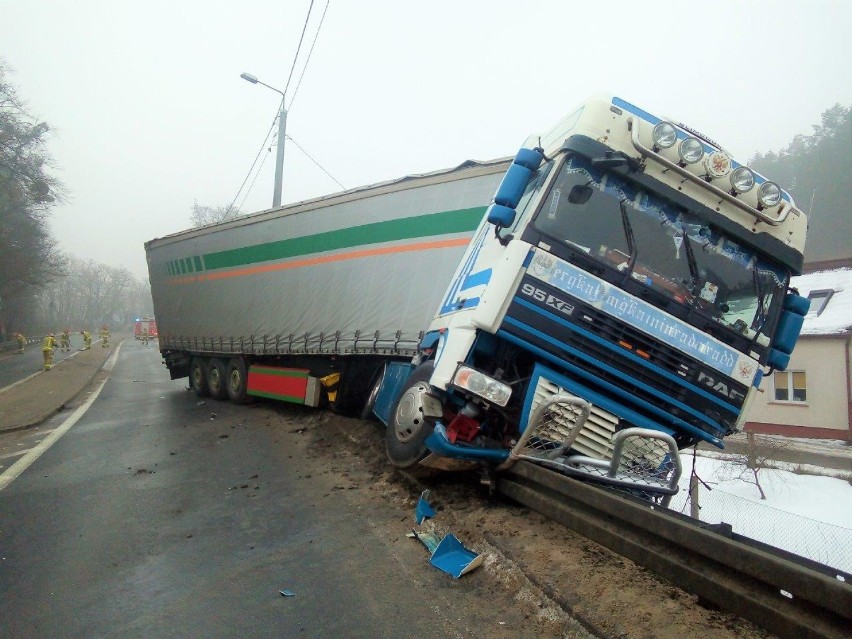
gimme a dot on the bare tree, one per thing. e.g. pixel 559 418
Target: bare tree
pixel 202 215
pixel 760 453
pixel 29 257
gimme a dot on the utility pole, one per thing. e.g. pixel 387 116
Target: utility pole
pixel 282 132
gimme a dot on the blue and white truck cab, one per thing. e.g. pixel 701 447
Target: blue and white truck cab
pixel 621 300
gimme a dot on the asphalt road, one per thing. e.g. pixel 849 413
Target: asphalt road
pixel 157 515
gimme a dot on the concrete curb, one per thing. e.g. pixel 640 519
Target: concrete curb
pixel 69 394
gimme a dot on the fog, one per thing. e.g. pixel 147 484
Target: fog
pixel 150 113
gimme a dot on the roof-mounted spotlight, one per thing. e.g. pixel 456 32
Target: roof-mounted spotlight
pixel 664 135
pixel 768 194
pixel 742 179
pixel 691 150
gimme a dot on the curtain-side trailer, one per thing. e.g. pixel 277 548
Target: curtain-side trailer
pixel 306 303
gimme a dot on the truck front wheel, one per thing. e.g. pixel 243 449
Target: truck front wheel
pixel 216 375
pixel 408 426
pixel 198 377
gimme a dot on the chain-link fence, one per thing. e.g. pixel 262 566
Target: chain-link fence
pixel 826 543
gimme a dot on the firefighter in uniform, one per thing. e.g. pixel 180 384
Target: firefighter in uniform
pixel 22 342
pixel 47 347
pixel 65 341
pixel 104 336
pixel 145 336
pixel 87 340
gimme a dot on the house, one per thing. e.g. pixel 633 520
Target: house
pixel 813 398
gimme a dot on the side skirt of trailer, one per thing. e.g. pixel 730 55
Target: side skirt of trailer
pixel 293 385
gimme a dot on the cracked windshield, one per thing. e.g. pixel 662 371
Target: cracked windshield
pixel 651 240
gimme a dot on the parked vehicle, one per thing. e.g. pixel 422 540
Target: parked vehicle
pixel 611 295
pixel 145 323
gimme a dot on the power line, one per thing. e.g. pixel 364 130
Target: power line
pixel 256 174
pixel 251 168
pixel 299 48
pixel 305 68
pixel 315 162
pixel 275 119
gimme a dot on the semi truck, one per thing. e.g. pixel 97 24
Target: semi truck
pixel 612 294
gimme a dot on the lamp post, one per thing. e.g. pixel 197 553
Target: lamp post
pixel 282 127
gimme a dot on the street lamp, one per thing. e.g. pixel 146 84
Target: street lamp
pixel 282 126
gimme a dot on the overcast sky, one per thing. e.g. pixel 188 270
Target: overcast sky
pixel 150 113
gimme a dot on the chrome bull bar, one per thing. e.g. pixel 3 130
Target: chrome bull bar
pixel 643 461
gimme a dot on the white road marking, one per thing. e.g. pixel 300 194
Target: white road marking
pixel 15 470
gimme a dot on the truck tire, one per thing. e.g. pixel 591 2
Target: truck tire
pixel 375 386
pixel 216 376
pixel 236 380
pixel 198 377
pixel 408 428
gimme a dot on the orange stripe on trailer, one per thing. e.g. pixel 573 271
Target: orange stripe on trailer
pixel 326 259
pixel 286 384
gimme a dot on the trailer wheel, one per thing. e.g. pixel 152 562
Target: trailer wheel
pixel 198 377
pixel 216 375
pixel 236 380
pixel 408 427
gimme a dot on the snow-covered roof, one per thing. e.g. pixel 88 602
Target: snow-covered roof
pixel 836 316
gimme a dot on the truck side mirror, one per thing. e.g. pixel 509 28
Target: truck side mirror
pixel 501 216
pixel 502 212
pixel 788 329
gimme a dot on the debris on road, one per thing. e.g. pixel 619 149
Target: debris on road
pixel 448 554
pixel 287 593
pixel 424 509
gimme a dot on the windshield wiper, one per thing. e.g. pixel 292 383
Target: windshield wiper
pixel 759 318
pixel 631 239
pixel 693 267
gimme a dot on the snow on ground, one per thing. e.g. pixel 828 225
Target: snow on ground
pixel 805 514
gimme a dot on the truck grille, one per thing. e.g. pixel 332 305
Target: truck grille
pixel 594 439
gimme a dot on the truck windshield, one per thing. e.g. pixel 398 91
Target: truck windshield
pixel 649 239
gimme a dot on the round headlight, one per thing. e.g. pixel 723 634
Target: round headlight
pixel 769 194
pixel 664 135
pixel 691 150
pixel 742 179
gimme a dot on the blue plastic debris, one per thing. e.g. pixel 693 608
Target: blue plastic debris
pixel 287 593
pixel 424 510
pixel 452 557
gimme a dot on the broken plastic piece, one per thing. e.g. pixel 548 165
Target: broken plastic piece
pixel 424 510
pixel 453 558
pixel 287 593
pixel 428 539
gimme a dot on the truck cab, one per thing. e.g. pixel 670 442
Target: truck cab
pixel 622 298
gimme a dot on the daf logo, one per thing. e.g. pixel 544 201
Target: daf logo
pixel 550 300
pixel 719 387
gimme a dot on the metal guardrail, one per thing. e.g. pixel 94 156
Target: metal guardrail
pixel 788 595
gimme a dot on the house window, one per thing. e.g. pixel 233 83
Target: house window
pixel 790 386
pixel 819 300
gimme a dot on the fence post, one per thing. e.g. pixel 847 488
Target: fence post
pixel 694 508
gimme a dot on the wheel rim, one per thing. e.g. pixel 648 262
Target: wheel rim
pixel 409 413
pixel 196 377
pixel 215 378
pixel 235 381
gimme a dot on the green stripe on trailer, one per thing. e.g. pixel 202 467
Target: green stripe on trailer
pixel 445 223
pixel 281 372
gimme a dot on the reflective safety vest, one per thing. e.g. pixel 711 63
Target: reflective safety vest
pixel 49 343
